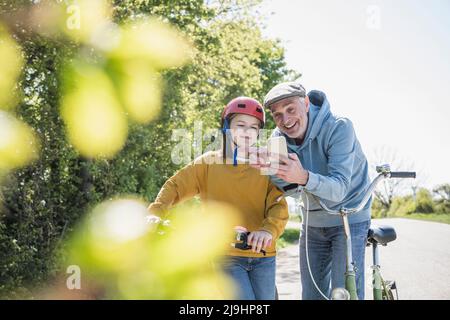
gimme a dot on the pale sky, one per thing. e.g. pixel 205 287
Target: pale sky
pixel 384 64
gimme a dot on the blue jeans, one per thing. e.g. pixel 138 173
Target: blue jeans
pixel 253 277
pixel 327 257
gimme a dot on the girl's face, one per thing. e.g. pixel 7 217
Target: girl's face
pixel 244 130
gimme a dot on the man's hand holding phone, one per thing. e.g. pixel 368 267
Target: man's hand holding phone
pixel 291 170
pixel 275 160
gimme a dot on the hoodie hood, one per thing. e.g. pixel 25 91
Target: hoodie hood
pixel 319 111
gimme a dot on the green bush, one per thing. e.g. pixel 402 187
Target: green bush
pixel 424 202
pixel 442 207
pixel 406 205
pixel 402 206
pixel 378 211
pixel 290 235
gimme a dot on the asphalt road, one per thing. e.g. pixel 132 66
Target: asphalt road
pixel 419 261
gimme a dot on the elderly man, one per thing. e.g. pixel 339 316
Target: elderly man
pixel 325 162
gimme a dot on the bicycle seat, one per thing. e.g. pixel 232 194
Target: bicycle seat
pixel 381 234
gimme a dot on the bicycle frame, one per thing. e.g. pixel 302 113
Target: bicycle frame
pixel 381 291
pixel 379 286
pixel 350 273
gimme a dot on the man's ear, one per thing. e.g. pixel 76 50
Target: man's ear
pixel 307 103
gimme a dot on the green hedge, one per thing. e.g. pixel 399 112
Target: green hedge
pixel 424 203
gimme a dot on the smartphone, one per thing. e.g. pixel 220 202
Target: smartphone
pixel 275 146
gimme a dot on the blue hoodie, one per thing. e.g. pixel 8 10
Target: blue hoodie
pixel 338 169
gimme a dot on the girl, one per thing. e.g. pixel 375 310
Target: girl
pixel 223 176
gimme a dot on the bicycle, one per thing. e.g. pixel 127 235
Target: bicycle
pixel 381 235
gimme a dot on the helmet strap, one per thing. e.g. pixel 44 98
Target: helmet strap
pixel 226 126
pixel 227 144
pixel 235 156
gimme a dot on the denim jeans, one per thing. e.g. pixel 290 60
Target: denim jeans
pixel 327 257
pixel 253 277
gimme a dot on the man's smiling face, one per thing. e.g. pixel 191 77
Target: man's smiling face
pixel 291 116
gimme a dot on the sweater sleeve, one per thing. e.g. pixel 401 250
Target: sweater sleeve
pixel 183 185
pixel 276 215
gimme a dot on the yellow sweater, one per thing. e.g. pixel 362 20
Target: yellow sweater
pixel 258 200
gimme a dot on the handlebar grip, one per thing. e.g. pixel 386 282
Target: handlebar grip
pixel 403 174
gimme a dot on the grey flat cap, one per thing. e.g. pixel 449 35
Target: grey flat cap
pixel 284 90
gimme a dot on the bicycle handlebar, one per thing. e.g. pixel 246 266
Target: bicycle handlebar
pixel 384 172
pixel 402 174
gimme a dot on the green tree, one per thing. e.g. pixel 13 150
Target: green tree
pixel 41 203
